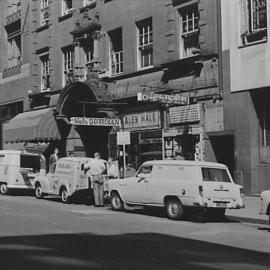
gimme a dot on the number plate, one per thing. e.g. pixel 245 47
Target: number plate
pixel 221 204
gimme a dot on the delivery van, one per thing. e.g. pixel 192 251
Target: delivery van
pixel 18 169
pixel 69 178
pixel 179 186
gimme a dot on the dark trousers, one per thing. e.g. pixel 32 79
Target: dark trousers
pixel 98 186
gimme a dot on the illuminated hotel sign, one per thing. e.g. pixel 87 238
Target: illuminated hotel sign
pixel 175 99
pixel 100 122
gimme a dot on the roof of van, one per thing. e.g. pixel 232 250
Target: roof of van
pixel 74 159
pixel 183 162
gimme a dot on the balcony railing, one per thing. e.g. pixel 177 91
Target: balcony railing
pixel 11 71
pixel 117 62
pixel 13 17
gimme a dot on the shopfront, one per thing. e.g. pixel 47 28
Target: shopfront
pixel 186 134
pixel 146 137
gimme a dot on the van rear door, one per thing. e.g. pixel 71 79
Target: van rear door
pixel 218 187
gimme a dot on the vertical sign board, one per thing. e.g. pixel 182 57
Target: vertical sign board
pixel 123 138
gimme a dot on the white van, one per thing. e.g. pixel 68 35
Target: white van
pixel 178 186
pixel 68 179
pixel 18 169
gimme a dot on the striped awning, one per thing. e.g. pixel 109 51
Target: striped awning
pixel 32 126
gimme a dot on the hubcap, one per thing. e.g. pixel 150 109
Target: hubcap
pixel 173 209
pixel 64 196
pixel 3 188
pixel 116 201
pixel 38 191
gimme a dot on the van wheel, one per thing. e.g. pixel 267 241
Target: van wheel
pixel 64 195
pixel 116 202
pixel 174 209
pixel 3 189
pixel 38 192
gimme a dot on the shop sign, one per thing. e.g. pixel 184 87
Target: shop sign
pixel 101 122
pixel 175 99
pixel 142 121
pixel 123 138
pixel 185 114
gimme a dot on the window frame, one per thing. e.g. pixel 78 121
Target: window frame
pixel 45 72
pixel 188 34
pixel 145 46
pixel 44 7
pixel 65 9
pixel 68 62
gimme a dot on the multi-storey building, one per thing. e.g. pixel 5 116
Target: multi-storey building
pixel 246 52
pixel 92 58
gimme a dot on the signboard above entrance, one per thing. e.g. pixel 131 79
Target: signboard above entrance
pixel 175 99
pixel 100 122
pixel 142 120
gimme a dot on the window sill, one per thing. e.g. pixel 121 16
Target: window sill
pixel 144 68
pixel 65 16
pixel 42 27
pixel 253 43
pixel 89 6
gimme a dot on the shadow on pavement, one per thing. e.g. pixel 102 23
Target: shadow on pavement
pixel 127 252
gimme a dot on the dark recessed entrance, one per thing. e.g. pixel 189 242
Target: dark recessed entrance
pixel 89 99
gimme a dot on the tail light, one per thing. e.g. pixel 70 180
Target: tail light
pixel 201 190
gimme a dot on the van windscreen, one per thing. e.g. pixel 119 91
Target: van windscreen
pixel 215 175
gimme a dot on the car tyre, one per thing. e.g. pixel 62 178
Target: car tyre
pixel 116 202
pixel 38 192
pixel 64 195
pixel 174 209
pixel 3 189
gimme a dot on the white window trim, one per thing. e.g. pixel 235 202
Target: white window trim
pixel 45 71
pixel 139 64
pixel 69 62
pixel 43 6
pixel 66 11
pixel 183 35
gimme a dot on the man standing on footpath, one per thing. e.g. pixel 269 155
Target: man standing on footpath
pixel 53 159
pixel 97 168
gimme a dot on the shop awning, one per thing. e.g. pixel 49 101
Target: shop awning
pixel 32 126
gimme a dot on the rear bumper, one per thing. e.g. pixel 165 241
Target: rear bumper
pixel 218 203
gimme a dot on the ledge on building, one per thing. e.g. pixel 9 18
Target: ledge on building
pixel 13 17
pixel 11 71
pixel 88 6
pixel 65 16
pixel 42 27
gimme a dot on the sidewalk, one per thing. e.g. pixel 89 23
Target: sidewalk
pixel 250 213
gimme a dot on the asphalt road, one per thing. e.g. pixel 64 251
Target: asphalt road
pixel 46 234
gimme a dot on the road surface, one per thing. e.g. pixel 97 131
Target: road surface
pixel 46 234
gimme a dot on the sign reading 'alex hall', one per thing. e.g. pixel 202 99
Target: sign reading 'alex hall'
pixel 144 120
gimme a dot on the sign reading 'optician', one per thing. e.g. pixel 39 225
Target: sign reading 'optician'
pixel 144 120
pixel 101 122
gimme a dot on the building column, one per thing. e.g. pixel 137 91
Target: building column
pixel 96 51
pixel 79 61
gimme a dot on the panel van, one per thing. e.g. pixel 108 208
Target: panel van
pixel 18 169
pixel 178 186
pixel 69 178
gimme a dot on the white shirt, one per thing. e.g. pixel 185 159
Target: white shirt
pixel 97 166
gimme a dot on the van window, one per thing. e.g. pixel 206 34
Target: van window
pixel 145 169
pixel 181 173
pixel 215 175
pixel 30 162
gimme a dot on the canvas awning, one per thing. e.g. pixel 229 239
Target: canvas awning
pixel 32 126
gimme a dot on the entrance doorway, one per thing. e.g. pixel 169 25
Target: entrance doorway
pixel 88 99
pixel 223 147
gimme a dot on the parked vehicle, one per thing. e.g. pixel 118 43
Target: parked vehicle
pixel 265 203
pixel 178 186
pixel 69 178
pixel 18 169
